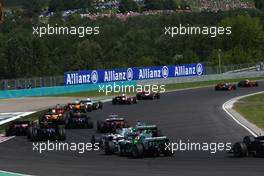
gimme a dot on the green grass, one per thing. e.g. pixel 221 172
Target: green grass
pixel 252 108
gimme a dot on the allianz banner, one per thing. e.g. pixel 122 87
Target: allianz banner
pixel 128 74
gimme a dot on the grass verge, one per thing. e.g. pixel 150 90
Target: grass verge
pixel 252 108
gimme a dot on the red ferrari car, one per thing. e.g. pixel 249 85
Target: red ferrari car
pixel 225 86
pixel 248 83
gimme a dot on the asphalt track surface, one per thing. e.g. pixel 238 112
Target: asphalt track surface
pixel 195 114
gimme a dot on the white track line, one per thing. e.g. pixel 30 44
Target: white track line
pixel 229 104
pixel 18 115
pixel 13 173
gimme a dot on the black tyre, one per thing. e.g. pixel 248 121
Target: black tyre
pixel 240 149
pixel 134 100
pixel 61 133
pixel 100 105
pixel 114 102
pixel 257 84
pixel 67 122
pixel 109 147
pixel 34 134
pixel 93 140
pixel 122 151
pixel 139 97
pixel 137 151
pixel 29 132
pixel 99 126
pixel 89 108
pixel 248 140
pixel 89 124
pixel 167 152
pixel 260 151
pixel 158 96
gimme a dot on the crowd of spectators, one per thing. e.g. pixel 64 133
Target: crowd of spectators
pixel 224 5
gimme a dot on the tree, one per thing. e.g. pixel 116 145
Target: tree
pixel 60 5
pixel 89 56
pixel 128 5
pixel 247 32
pixel 259 4
pixel 33 7
pixel 160 4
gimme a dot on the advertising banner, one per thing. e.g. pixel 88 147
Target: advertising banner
pixel 129 74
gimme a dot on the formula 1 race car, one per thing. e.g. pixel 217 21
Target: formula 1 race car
pixel 124 99
pixel 75 106
pixel 75 118
pixel 248 83
pixel 148 95
pixel 122 134
pixel 17 128
pixel 46 130
pixel 52 115
pixel 58 109
pixel 90 105
pixel 111 124
pixel 140 146
pixel 225 86
pixel 250 145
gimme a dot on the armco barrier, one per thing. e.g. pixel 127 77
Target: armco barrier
pixel 56 90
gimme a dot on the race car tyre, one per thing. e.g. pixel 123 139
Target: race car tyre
pixel 135 101
pixel 158 96
pixel 139 97
pixel 89 124
pixel 259 151
pixel 62 133
pixel 34 134
pixel 93 140
pixel 100 105
pixel 240 149
pixel 248 140
pixel 90 109
pixel 99 126
pixel 122 150
pixel 113 102
pixel 257 84
pixel 67 123
pixel 29 133
pixel 109 147
pixel 96 139
pixel 137 151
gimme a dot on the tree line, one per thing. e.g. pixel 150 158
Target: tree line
pixel 136 41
